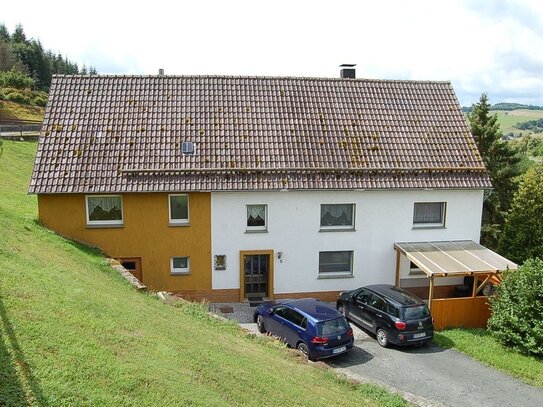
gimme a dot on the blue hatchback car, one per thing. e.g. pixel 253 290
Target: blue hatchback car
pixel 316 329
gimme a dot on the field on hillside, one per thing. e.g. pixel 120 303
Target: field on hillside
pixel 507 119
pixel 73 332
pixel 15 111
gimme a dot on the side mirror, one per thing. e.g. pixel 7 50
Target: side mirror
pixel 271 311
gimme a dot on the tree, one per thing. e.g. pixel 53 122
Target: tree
pixel 19 35
pixel 501 163
pixel 4 33
pixel 522 237
pixel 516 310
pixel 7 61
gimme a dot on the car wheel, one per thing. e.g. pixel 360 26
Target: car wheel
pixel 260 324
pixel 341 308
pixel 382 337
pixel 302 347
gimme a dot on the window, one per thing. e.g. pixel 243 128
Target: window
pixel 293 316
pixel 180 265
pixel 378 303
pixel 337 216
pixel 179 209
pixel 332 327
pixel 257 217
pixel 333 264
pixel 104 210
pixel 363 296
pixel 414 270
pixel 429 214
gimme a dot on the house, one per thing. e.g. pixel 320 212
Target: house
pixel 228 188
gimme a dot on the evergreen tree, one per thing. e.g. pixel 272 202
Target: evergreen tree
pixel 500 161
pixel 4 33
pixel 522 237
pixel 7 61
pixel 19 35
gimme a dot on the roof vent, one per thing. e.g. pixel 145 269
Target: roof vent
pixel 161 72
pixel 347 71
pixel 188 148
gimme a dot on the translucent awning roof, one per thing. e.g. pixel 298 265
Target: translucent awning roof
pixel 449 258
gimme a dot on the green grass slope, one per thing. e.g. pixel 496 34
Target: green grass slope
pixel 508 119
pixel 73 332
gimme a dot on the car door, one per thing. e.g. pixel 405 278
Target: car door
pixel 293 325
pixel 275 321
pixel 376 312
pixel 358 309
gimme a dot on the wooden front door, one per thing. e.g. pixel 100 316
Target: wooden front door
pixel 256 271
pixel 133 265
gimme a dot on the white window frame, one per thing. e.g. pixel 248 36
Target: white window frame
pixel 337 274
pixel 103 222
pixel 180 270
pixel 338 227
pixel 256 228
pixel 431 225
pixel 178 221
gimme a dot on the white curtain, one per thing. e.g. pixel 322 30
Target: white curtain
pixel 256 211
pixel 428 212
pixel 107 203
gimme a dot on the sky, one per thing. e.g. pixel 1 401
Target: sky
pixel 491 46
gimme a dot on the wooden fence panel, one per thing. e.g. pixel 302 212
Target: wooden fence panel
pixel 460 312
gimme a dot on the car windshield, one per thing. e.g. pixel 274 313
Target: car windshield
pixel 332 327
pixel 417 312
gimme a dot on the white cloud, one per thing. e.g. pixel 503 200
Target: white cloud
pixel 490 46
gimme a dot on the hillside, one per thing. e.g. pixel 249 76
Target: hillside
pixel 73 332
pixel 16 111
pixel 507 119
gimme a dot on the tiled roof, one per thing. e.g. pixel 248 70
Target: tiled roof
pixel 124 133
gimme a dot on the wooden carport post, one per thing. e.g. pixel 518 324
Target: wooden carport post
pixel 431 292
pixel 398 268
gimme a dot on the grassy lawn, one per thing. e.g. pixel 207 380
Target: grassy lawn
pixel 73 332
pixel 480 345
pixel 11 111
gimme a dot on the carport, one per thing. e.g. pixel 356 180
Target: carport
pixel 455 259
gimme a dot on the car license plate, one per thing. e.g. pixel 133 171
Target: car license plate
pixel 339 350
pixel 419 335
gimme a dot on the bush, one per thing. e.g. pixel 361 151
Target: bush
pixel 517 310
pixel 39 98
pixel 17 96
pixel 15 79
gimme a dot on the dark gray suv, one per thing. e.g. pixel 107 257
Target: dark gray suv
pixel 392 314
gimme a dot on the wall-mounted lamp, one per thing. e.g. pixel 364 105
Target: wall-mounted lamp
pixel 280 256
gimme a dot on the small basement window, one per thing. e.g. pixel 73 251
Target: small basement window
pixel 104 210
pixel 180 265
pixel 188 148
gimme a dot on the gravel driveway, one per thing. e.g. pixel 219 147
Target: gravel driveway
pixel 443 375
pixel 426 376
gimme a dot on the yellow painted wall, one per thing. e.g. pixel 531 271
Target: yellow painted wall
pixel 145 234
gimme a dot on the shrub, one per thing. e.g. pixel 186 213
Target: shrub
pixel 39 98
pixel 17 96
pixel 15 79
pixel 517 310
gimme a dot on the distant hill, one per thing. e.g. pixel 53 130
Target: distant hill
pixel 514 106
pixel 506 107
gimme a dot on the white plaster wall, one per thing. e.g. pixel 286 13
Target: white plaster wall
pixel 382 217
